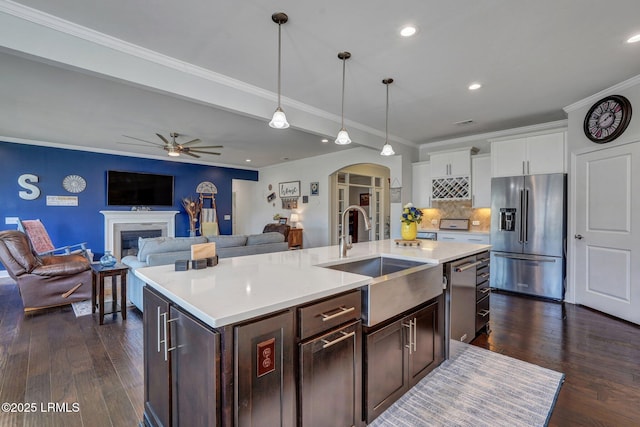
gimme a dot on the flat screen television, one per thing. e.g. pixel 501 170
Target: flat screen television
pixel 139 189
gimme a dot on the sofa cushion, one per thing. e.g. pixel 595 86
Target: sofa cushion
pixel 269 237
pixel 228 241
pixel 166 244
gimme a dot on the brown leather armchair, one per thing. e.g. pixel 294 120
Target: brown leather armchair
pixel 44 281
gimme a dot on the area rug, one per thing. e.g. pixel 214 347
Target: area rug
pixel 83 308
pixel 477 387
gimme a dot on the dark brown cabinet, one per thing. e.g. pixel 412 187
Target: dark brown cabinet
pixel 182 360
pixel 264 392
pixel 400 354
pixel 483 293
pixel 330 356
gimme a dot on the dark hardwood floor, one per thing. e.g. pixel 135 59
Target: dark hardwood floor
pixel 599 355
pixel 52 356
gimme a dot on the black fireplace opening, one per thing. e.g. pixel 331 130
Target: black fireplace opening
pixel 129 240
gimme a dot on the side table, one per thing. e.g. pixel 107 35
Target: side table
pixel 99 273
pixel 295 238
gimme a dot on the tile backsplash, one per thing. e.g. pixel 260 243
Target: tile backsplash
pixel 456 209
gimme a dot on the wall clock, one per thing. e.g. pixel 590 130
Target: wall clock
pixel 607 119
pixel 74 183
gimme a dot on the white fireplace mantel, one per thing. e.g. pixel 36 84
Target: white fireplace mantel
pixel 113 219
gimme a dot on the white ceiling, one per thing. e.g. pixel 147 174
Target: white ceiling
pixel 86 72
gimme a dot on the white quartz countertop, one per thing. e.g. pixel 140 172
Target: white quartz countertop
pixel 242 288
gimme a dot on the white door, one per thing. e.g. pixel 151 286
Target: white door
pixel 607 255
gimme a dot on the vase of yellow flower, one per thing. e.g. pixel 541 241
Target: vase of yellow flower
pixel 411 216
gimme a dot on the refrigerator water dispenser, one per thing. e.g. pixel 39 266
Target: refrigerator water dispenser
pixel 508 219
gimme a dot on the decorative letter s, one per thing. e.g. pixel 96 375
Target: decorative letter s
pixel 25 181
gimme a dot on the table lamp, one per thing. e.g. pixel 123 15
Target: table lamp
pixel 294 219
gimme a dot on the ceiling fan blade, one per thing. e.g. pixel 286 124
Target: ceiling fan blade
pixel 193 141
pixel 138 139
pixel 203 152
pixel 137 145
pixel 190 154
pixel 209 146
pixel 163 138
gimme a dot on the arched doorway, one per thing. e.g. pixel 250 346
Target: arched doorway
pixel 365 185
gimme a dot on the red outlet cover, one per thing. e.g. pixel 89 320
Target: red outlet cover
pixel 266 357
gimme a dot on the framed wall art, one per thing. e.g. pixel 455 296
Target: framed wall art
pixel 289 189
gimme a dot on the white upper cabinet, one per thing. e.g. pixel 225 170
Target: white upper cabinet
pixel 421 185
pixel 529 155
pixel 451 163
pixel 481 181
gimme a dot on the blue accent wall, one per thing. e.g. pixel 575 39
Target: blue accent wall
pixel 85 223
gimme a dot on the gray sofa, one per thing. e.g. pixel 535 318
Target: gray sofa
pixel 167 250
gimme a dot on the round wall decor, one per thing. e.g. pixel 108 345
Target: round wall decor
pixel 74 183
pixel 607 119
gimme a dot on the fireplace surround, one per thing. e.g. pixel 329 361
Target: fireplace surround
pixel 115 222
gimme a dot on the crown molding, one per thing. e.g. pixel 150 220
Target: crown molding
pixel 589 101
pixel 558 124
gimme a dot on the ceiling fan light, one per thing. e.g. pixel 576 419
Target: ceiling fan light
pixel 279 120
pixel 173 152
pixel 387 150
pixel 343 137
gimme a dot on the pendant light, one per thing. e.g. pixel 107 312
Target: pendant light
pixel 343 135
pixel 387 149
pixel 279 120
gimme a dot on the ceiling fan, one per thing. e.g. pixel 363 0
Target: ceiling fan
pixel 173 148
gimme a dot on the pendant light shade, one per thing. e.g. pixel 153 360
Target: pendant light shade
pixel 279 120
pixel 343 135
pixel 387 149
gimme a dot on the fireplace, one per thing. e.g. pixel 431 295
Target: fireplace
pixel 129 240
pixel 118 222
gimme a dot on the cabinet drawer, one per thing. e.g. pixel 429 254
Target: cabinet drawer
pixel 482 290
pixel 484 258
pixel 324 315
pixel 482 313
pixel 482 274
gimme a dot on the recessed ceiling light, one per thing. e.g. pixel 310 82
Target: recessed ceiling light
pixel 248 160
pixel 475 86
pixel 408 31
pixel 634 39
pixel 325 140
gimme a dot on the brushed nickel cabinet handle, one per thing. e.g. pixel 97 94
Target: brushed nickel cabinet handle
pixel 343 311
pixel 158 328
pixel 344 336
pixel 484 313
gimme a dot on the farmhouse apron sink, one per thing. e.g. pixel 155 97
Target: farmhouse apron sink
pixel 398 285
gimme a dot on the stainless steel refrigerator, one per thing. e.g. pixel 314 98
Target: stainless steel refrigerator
pixel 528 234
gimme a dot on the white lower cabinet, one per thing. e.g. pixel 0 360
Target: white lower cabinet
pixel 460 236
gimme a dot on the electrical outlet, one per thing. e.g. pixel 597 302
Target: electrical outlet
pixel 475 222
pixel 227 217
pixel 434 222
pixel 11 220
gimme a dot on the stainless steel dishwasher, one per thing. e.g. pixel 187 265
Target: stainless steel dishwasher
pixel 461 299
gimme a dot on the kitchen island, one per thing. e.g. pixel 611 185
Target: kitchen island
pixel 241 343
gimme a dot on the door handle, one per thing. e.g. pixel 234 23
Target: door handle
pixel 578 236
